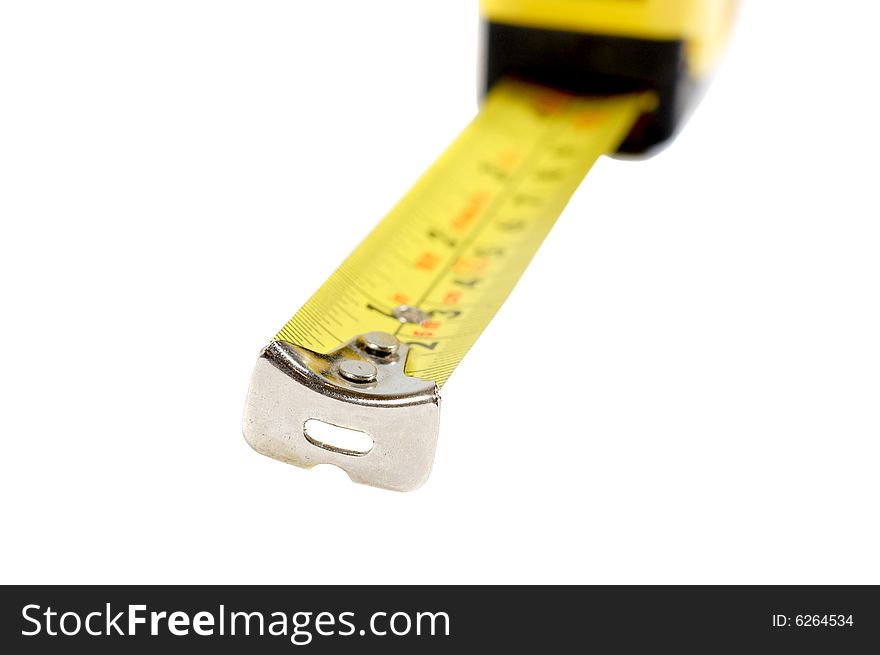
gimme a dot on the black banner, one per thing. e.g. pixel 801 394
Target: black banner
pixel 437 619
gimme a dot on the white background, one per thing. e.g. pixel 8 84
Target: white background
pixel 685 386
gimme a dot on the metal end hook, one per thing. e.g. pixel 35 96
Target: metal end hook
pixel 360 386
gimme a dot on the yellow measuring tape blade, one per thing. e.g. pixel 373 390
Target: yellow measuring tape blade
pixel 448 255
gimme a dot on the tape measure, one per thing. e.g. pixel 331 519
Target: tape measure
pixel 371 349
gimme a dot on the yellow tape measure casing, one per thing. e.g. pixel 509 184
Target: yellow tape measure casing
pixel 702 24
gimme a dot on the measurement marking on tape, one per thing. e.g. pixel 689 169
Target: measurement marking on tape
pixel 469 227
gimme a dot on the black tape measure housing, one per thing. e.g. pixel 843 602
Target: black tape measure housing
pixel 598 64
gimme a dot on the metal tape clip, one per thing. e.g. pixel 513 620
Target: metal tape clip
pixel 360 386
